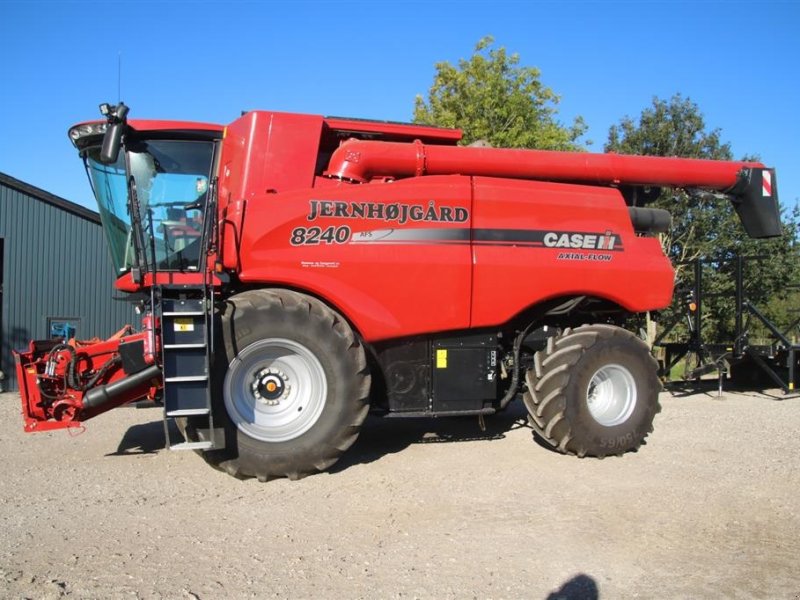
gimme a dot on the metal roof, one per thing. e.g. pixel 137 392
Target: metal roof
pixel 49 198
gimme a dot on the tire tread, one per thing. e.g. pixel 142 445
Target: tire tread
pixel 269 304
pixel 552 372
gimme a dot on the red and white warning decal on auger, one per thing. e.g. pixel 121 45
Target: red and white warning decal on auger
pixel 766 183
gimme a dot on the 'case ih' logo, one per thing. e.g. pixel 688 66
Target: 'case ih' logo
pixel 583 241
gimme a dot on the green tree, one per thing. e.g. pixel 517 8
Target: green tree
pixel 491 97
pixel 705 225
pixel 677 128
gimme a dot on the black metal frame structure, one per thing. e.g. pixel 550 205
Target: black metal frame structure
pixel 721 357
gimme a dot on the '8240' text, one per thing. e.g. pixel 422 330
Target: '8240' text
pixel 310 236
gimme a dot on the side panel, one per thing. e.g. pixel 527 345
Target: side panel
pixel 533 241
pixel 439 374
pixel 393 257
pixel 266 152
pixel 262 153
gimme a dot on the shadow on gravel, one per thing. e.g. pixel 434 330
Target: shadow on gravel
pixel 580 587
pixel 146 438
pixel 379 435
pixel 386 435
pixel 710 387
pixel 683 389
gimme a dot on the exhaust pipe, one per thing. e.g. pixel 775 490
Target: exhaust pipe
pixel 103 394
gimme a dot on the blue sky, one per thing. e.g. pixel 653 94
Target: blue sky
pixel 209 60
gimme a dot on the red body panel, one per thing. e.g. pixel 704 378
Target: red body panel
pixel 268 152
pixel 272 152
pixel 125 282
pixel 390 279
pixel 519 271
pixel 161 125
pixel 475 267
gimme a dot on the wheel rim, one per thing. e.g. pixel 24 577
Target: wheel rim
pixel 275 390
pixel 611 395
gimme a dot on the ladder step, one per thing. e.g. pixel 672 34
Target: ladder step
pixel 186 378
pixel 177 346
pixel 185 313
pixel 204 445
pixel 188 412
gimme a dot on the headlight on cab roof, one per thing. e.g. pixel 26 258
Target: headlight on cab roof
pixel 87 129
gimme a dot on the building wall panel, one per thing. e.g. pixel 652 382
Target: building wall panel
pixel 56 264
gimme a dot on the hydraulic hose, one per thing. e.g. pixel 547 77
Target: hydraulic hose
pixel 512 390
pixel 111 362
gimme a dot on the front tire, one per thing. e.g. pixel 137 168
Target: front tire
pixel 294 390
pixel 593 391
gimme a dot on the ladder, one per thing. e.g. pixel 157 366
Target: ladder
pixel 186 314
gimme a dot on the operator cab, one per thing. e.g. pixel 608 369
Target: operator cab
pixel 153 185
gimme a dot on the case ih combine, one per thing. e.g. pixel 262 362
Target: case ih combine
pixel 296 271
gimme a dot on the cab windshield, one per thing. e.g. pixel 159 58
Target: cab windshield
pixel 171 181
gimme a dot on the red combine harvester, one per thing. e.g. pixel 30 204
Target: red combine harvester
pixel 297 271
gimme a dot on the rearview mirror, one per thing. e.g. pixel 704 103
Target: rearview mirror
pixel 111 143
pixel 113 137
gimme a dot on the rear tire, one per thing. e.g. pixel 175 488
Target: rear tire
pixel 292 389
pixel 593 391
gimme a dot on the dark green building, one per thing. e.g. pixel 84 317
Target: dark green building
pixel 56 277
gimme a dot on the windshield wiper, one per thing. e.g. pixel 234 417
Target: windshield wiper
pixel 138 237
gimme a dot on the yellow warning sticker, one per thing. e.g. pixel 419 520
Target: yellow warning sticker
pixel 184 324
pixel 441 359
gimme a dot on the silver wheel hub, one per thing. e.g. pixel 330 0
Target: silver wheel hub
pixel 270 386
pixel 275 390
pixel 611 395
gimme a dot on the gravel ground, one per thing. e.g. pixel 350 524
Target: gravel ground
pixel 708 508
